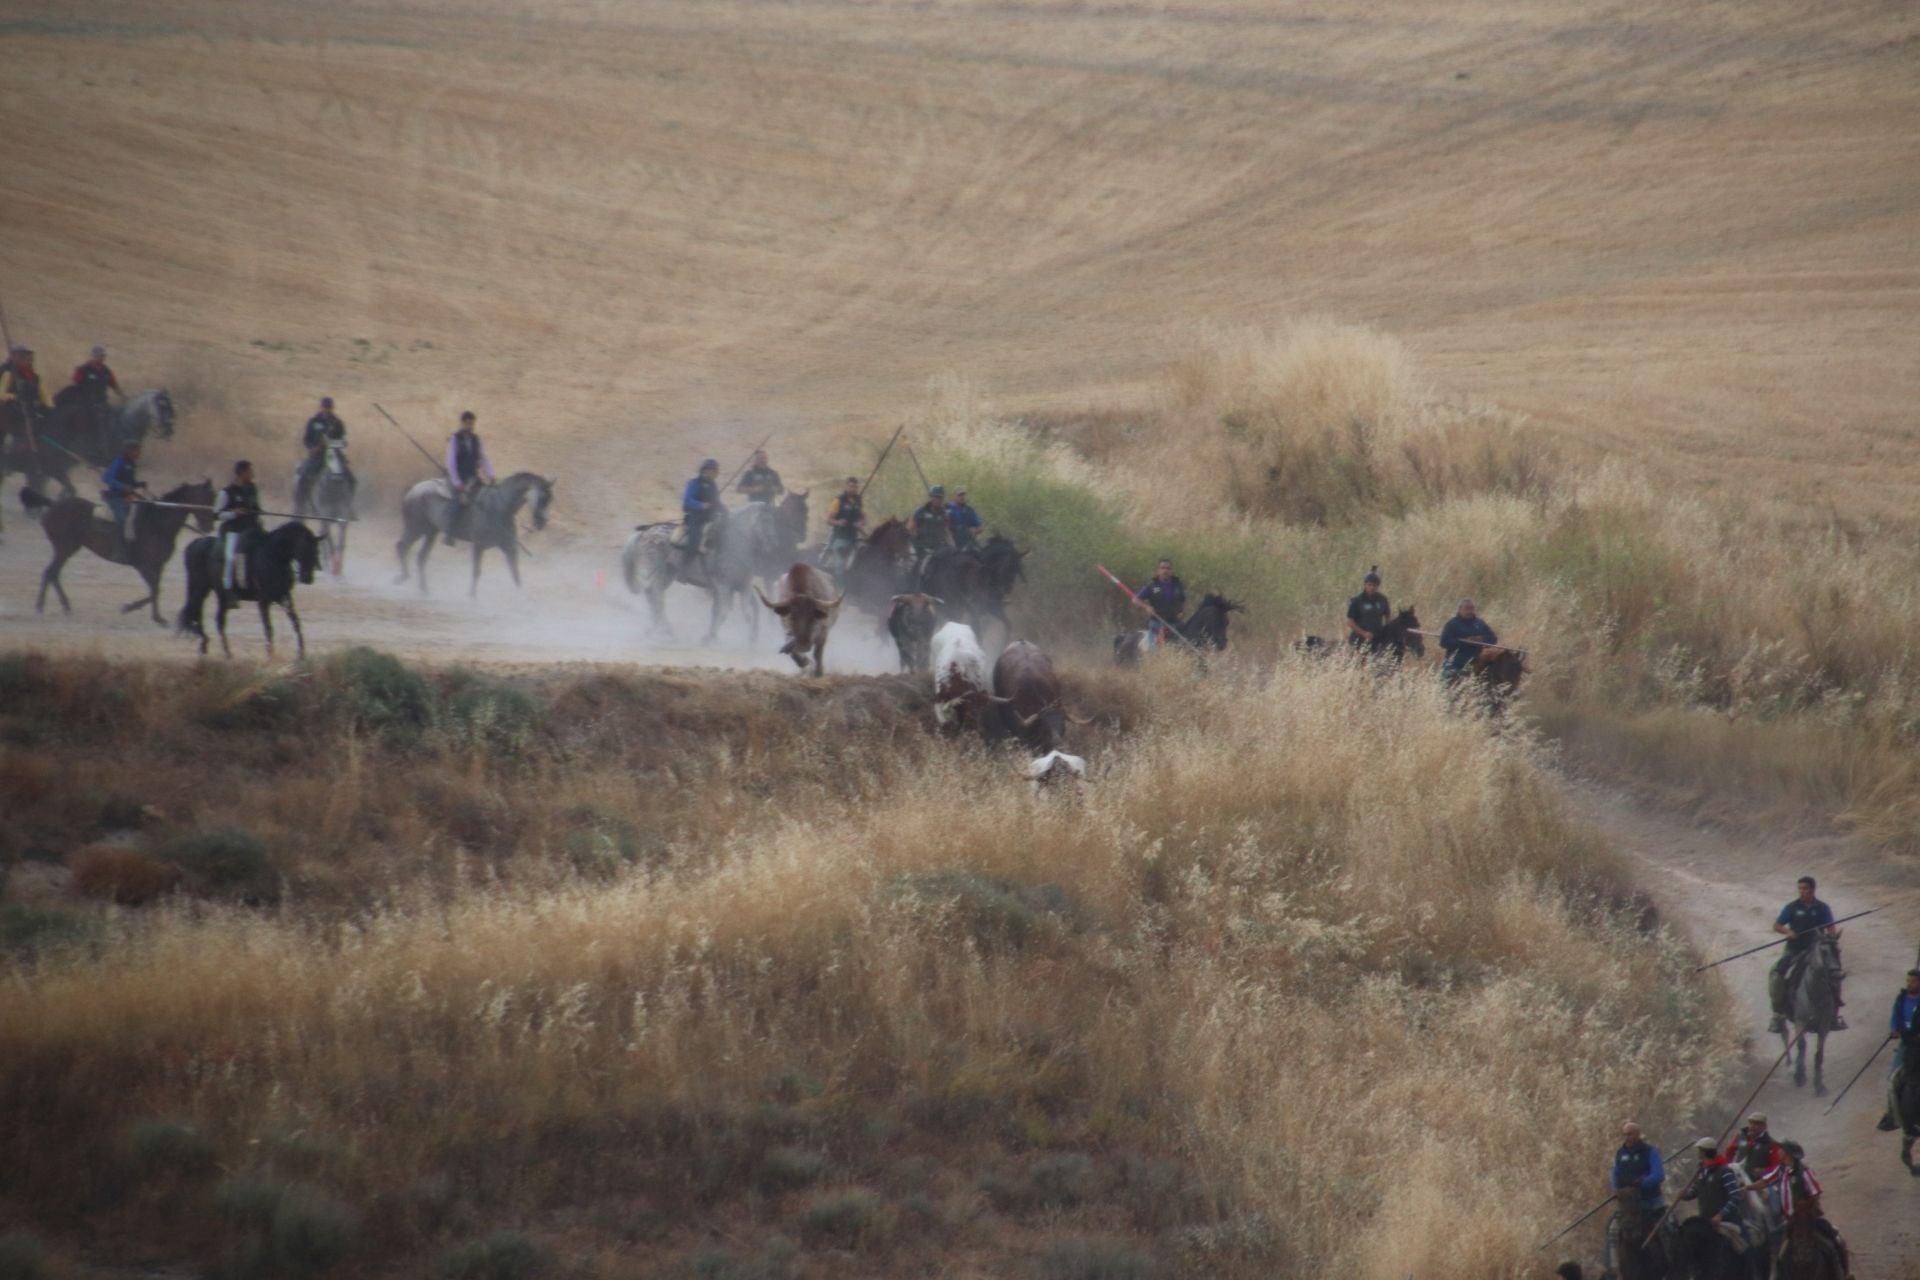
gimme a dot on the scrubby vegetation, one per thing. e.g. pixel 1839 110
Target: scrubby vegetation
pixel 747 976
pixel 1761 653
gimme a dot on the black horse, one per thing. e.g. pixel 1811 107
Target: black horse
pixel 1904 1095
pixel 1397 637
pixel 71 527
pixel 491 519
pixel 272 563
pixel 1701 1252
pixel 974 584
pixel 1204 630
pixel 81 431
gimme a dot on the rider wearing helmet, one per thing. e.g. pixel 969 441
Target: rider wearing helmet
pixel 932 532
pixel 324 428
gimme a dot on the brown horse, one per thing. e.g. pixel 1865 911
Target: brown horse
pixel 71 527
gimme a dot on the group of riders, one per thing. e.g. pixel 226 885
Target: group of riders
pixel 1757 1189
pixel 26 401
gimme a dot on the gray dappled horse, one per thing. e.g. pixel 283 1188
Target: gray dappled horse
pixel 330 496
pixel 725 570
pixel 79 433
pixel 1812 1008
pixel 491 522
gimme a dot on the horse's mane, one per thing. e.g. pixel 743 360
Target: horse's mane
pixel 186 490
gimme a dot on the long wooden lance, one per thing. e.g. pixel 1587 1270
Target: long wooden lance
pixel 743 466
pixel 196 506
pixel 1785 938
pixel 1128 592
pixel 882 460
pixel 1731 1124
pixel 1862 1071
pixel 915 458
pixel 1484 644
pixel 1677 1151
pixel 436 463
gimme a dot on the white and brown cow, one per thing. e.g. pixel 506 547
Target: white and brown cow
pixel 962 698
pixel 807 605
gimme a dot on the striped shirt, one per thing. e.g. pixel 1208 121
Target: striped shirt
pixel 1794 1180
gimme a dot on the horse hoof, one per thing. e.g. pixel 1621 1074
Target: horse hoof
pixel 1819 1089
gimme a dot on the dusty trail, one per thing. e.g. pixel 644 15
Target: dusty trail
pixel 1724 889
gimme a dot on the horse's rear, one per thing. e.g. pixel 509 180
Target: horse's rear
pixel 420 512
pixel 197 563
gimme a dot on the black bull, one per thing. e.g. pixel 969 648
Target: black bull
pixel 1029 691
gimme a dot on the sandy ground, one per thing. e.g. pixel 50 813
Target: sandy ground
pixel 1723 890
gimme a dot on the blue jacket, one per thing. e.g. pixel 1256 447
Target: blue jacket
pixel 121 476
pixel 699 497
pixel 1905 1021
pixel 1639 1166
pixel 1459 629
pixel 963 520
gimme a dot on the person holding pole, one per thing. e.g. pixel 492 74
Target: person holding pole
pixel 22 388
pixel 1903 1028
pixel 932 532
pixel 322 429
pixel 761 483
pixel 467 467
pixel 1465 635
pixel 1635 1177
pixel 844 518
pixel 120 489
pixel 1163 600
pixel 1368 611
pixel 238 510
pixel 1800 920
pixel 699 507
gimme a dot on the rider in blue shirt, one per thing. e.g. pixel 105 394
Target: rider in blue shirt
pixel 1903 1027
pixel 1637 1174
pixel 699 504
pixel 121 485
pixel 1799 920
pixel 963 521
pixel 1464 626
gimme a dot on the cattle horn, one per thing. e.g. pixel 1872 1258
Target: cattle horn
pixel 835 602
pixel 763 598
pixel 1074 719
pixel 935 600
pixel 1027 722
pixel 996 698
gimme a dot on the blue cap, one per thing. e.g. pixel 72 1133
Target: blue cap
pixel 714 463
pixel 936 492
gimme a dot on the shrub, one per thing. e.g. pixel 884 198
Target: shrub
pixel 249 1200
pixel 998 913
pixel 786 1167
pixel 842 1217
pixel 1095 1259
pixel 169 1147
pixel 486 714
pixel 30 933
pixel 311 1232
pixel 1061 1181
pixel 777 1261
pixel 379 697
pixel 600 845
pixel 22 1257
pixel 498 1255
pixel 116 873
pixel 226 862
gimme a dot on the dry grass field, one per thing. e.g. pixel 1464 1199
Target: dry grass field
pixel 1602 314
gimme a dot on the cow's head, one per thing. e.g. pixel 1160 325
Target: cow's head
pixel 806 618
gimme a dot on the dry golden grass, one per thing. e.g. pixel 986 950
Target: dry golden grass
pixel 1306 937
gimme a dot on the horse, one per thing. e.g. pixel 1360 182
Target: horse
pixel 331 497
pixel 71 527
pixel 1493 675
pixel 1903 1099
pixel 881 568
pixel 94 433
pixel 1806 1254
pixel 1701 1251
pixel 725 570
pixel 1397 637
pixel 974 583
pixel 1813 1007
pixel 777 534
pixel 1635 1256
pixel 272 561
pixel 491 519
pixel 1205 629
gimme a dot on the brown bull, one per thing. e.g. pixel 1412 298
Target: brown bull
pixel 802 601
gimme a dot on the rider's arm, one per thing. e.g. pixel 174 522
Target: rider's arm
pixel 1656 1171
pixel 1780 924
pixel 453 459
pixel 6 387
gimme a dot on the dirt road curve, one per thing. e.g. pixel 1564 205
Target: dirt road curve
pixel 1724 890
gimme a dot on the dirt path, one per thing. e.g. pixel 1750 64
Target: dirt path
pixel 1724 889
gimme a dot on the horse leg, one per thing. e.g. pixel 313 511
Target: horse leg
pixel 400 550
pixel 220 618
pixel 717 612
pixel 1819 1061
pixel 420 561
pixel 266 624
pixel 473 588
pixel 154 600
pixel 512 552
pixel 299 636
pixel 1800 1059
pixel 51 575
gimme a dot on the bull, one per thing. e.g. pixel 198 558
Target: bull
pixel 961 697
pixel 802 603
pixel 910 623
pixel 1028 688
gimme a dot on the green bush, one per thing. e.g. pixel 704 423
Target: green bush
pixel 170 1147
pixel 498 1255
pixel 1061 1181
pixel 226 862
pixel 29 933
pixel 1095 1259
pixel 311 1233
pixel 784 1168
pixel 999 914
pixel 486 714
pixel 22 1257
pixel 777 1261
pixel 250 1200
pixel 842 1217
pixel 379 697
pixel 600 845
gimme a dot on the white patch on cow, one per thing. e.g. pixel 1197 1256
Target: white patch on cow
pixel 957 662
pixel 1056 766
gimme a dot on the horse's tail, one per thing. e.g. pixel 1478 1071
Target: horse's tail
pixel 191 621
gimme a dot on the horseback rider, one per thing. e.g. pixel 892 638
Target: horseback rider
pixel 238 510
pixel 844 518
pixel 323 428
pixel 761 483
pixel 1163 600
pixel 1723 1200
pixel 1803 921
pixel 1634 1178
pixel 121 489
pixel 1458 637
pixel 699 507
pixel 95 380
pixel 22 386
pixel 1799 1194
pixel 1368 611
pixel 467 468
pixel 963 521
pixel 1754 1149
pixel 932 533
pixel 1904 1027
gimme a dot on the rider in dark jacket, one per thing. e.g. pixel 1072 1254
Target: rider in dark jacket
pixel 323 428
pixel 238 510
pixel 1903 1028
pixel 467 466
pixel 761 483
pixel 1368 611
pixel 699 507
pixel 1164 599
pixel 1802 921
pixel 1457 637
pixel 120 486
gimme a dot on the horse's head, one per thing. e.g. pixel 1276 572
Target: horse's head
pixel 306 552
pixel 1211 618
pixel 542 499
pixel 163 414
pixel 1407 623
pixel 195 495
pixel 1006 563
pixel 890 538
